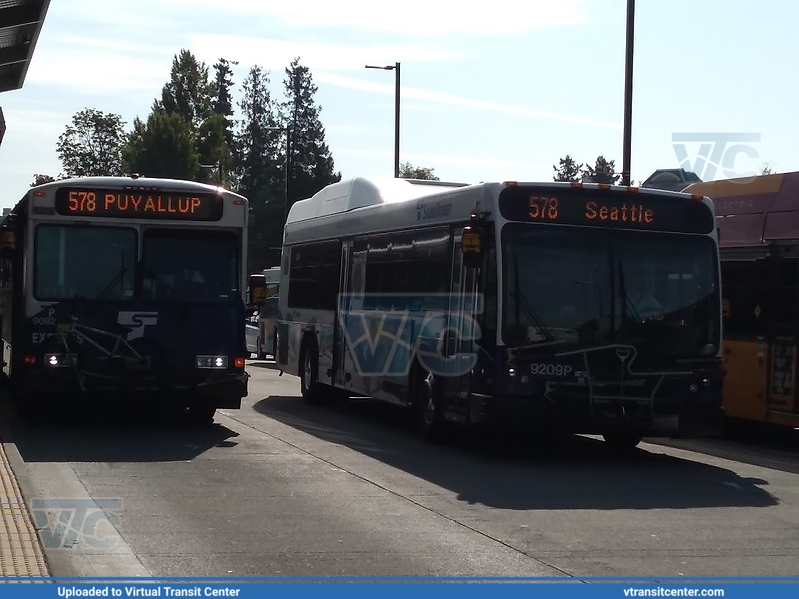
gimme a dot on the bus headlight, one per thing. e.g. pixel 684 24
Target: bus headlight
pixel 57 360
pixel 211 362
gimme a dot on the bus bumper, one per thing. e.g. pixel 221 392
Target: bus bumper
pixel 222 391
pixel 669 418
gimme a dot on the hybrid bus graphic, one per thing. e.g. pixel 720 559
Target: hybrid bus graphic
pixel 125 288
pixel 587 307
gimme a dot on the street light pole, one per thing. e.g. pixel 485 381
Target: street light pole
pixel 396 69
pixel 628 95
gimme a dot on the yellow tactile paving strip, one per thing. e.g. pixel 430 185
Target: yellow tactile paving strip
pixel 20 550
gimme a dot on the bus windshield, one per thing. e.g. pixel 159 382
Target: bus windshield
pixel 79 262
pixel 189 266
pixel 585 287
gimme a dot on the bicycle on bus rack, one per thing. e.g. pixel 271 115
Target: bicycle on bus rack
pixel 73 347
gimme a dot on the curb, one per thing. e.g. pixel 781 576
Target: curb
pixel 55 563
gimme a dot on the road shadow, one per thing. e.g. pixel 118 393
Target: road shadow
pixel 260 364
pixel 112 435
pixel 570 472
pixel 767 447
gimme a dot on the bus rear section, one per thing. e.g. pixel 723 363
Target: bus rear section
pixel 143 308
pixel 758 222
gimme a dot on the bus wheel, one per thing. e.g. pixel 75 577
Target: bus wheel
pixel 622 440
pixel 428 408
pixel 309 360
pixel 260 354
pixel 201 414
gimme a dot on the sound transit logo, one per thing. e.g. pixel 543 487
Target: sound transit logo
pixel 717 150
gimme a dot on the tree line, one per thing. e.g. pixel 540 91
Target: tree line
pixel 195 132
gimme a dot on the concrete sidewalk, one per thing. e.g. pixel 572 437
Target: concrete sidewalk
pixel 21 552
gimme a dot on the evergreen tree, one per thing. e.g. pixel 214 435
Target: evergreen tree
pixel 311 165
pixel 259 172
pixel 223 99
pixel 567 169
pixel 191 94
pixel 162 147
pixel 603 171
pixel 188 92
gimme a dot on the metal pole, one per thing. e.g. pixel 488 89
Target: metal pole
pixel 628 95
pixel 286 182
pixel 397 121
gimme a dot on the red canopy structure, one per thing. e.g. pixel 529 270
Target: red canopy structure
pixel 754 211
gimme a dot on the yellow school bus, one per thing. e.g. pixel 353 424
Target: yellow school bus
pixel 758 223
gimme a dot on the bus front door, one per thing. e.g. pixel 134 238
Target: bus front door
pixel 458 344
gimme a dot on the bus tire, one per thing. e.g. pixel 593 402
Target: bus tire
pixel 309 372
pixel 429 411
pixel 622 440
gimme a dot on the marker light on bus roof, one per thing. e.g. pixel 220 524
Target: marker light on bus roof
pixel 238 202
pixel 39 194
pixel 632 189
pixel 577 184
pixel 697 196
pixel 604 186
pixel 510 183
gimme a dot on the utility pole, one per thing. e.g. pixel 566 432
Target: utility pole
pixel 628 95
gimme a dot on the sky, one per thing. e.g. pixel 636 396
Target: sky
pixel 489 91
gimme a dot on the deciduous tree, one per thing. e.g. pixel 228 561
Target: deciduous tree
pixel 92 144
pixel 408 171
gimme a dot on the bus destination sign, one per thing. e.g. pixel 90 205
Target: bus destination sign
pixel 605 208
pixel 124 203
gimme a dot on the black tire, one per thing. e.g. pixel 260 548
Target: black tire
pixel 427 404
pixel 259 353
pixel 309 372
pixel 202 415
pixel 622 440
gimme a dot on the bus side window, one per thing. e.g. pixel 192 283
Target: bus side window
pixel 745 289
pixel 314 276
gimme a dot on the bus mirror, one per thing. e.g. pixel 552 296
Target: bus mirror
pixel 257 291
pixel 472 246
pixel 8 242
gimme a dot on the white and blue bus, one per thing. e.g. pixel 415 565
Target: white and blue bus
pixel 125 287
pixel 591 308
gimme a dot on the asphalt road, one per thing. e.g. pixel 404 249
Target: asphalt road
pixel 279 488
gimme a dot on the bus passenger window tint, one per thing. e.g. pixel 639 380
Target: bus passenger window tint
pixel 314 276
pixel 195 268
pixel 77 262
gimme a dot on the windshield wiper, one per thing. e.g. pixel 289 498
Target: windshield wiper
pixel 117 278
pixel 626 301
pixel 523 302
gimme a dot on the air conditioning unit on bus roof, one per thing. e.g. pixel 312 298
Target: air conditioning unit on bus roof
pixel 361 192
